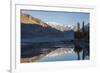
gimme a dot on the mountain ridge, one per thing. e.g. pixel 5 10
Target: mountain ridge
pixel 28 19
pixel 59 26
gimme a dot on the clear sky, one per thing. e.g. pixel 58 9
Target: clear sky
pixel 69 18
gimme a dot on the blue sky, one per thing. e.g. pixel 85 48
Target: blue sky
pixel 70 18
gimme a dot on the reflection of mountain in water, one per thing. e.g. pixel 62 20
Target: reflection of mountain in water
pixel 60 51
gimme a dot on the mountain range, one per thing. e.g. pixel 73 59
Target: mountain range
pixel 61 27
pixel 28 19
pixel 36 30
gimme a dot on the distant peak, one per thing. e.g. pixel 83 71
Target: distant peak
pixel 59 26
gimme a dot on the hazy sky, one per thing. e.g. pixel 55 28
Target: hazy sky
pixel 69 18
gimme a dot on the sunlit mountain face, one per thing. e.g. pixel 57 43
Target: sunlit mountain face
pixel 28 19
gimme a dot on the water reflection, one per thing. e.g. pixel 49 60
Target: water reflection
pixel 57 52
pixel 78 49
pixel 84 48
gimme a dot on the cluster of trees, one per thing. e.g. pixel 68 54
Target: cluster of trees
pixel 81 36
pixel 82 33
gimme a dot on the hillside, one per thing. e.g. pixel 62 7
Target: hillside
pixel 28 19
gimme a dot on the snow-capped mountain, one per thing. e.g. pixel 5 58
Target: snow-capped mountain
pixel 59 26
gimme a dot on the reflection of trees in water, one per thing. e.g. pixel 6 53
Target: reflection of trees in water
pixel 78 49
pixel 85 51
